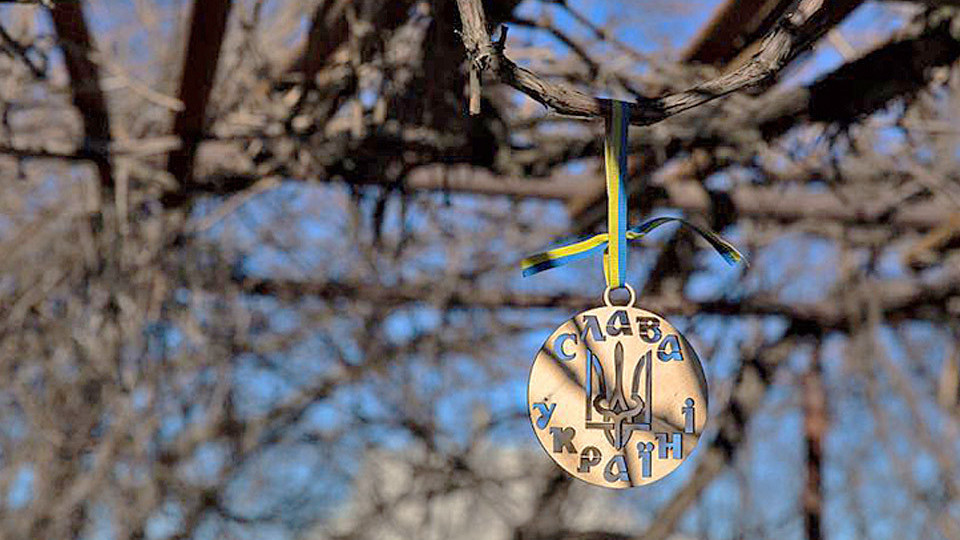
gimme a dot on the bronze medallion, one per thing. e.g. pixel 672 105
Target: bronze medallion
pixel 617 396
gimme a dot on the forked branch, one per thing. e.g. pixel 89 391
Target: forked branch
pixel 795 32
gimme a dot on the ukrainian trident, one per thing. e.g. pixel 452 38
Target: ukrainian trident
pixel 617 397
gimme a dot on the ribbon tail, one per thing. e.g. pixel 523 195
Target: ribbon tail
pixel 724 248
pixel 553 258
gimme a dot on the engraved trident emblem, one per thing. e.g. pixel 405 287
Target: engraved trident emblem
pixel 618 407
pixel 616 404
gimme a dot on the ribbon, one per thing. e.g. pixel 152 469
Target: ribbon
pixel 615 253
pixel 553 258
pixel 615 158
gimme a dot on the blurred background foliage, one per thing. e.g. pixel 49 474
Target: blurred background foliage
pixel 259 268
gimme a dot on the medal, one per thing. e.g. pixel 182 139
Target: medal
pixel 617 396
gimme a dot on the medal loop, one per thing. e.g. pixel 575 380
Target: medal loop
pixel 630 303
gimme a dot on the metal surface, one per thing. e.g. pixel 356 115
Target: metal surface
pixel 617 397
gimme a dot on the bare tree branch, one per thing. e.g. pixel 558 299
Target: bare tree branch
pixel 897 301
pixel 794 33
pixel 88 98
pixel 815 424
pixel 207 28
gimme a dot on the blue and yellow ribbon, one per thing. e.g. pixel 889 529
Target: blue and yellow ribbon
pixel 615 151
pixel 615 254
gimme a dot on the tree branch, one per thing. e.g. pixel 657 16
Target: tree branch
pixel 207 28
pixel 897 300
pixel 88 98
pixel 795 31
pixel 897 69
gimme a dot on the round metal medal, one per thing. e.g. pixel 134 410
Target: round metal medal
pixel 617 396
